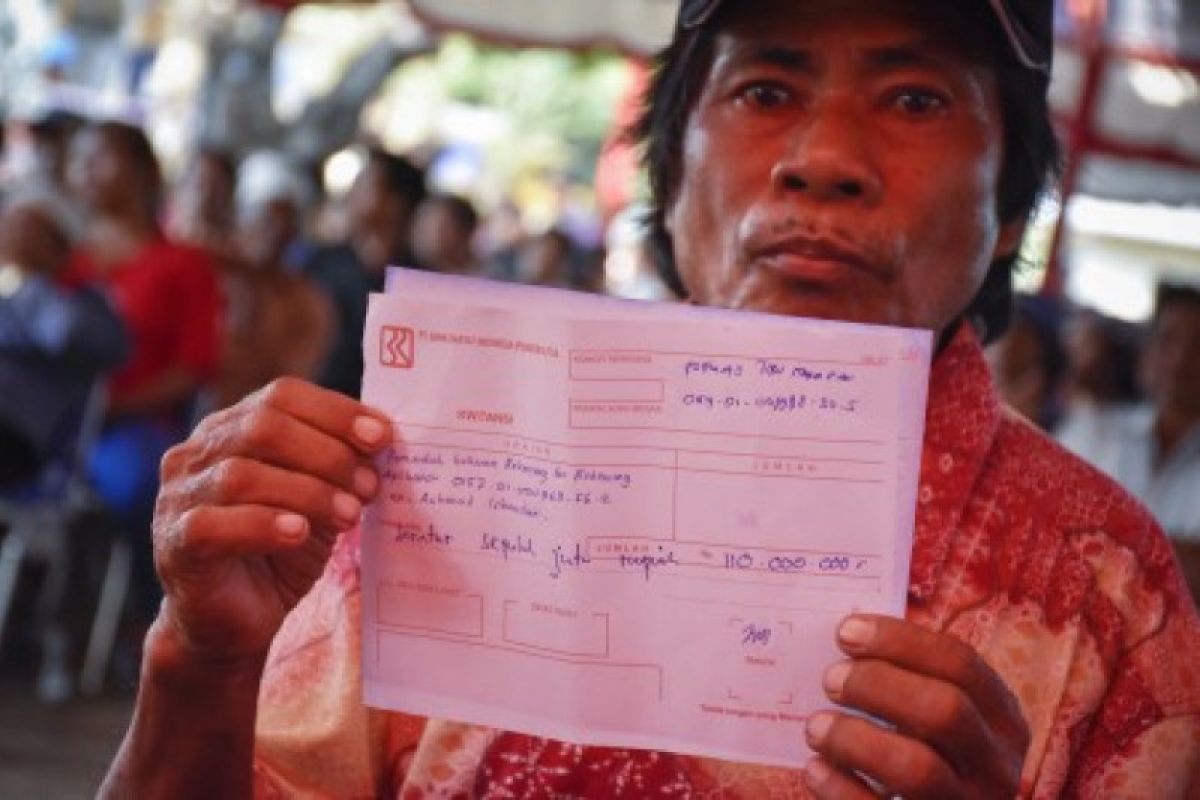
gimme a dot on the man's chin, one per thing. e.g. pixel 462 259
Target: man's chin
pixel 817 304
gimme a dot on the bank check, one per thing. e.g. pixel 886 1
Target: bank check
pixel 629 524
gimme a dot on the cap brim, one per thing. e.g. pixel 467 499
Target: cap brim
pixel 1028 48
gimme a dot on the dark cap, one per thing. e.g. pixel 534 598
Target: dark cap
pixel 1028 25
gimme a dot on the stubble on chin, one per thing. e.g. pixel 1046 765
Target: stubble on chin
pixel 751 289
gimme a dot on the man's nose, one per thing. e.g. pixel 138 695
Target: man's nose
pixel 828 157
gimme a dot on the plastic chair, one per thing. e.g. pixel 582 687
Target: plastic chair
pixel 38 520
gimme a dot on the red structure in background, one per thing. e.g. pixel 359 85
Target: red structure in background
pixel 617 170
pixel 1081 132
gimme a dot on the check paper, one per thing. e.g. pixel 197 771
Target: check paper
pixel 629 524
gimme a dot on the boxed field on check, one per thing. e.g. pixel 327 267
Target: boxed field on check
pixel 848 513
pixel 616 415
pixel 640 391
pixel 554 630
pixel 616 365
pixel 474 672
pixel 431 609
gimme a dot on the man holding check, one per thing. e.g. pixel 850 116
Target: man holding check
pixel 864 160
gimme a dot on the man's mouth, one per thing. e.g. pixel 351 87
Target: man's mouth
pixel 815 259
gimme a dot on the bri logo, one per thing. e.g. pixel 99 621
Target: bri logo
pixel 396 347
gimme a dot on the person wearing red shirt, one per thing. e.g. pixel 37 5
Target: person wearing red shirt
pixel 169 298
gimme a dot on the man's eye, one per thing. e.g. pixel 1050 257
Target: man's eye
pixel 919 102
pixel 765 95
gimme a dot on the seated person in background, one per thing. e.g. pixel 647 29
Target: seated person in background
pixel 380 206
pixel 56 339
pixel 277 323
pixel 548 259
pixel 168 296
pixel 866 160
pixel 1028 363
pixel 1102 377
pixel 443 236
pixel 202 211
pixel 38 151
pixel 1153 449
pixel 501 235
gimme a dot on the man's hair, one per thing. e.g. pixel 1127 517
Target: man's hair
pixel 56 127
pixel 1031 149
pixel 1043 318
pixel 400 176
pixel 1112 375
pixel 135 145
pixel 460 210
pixel 1174 294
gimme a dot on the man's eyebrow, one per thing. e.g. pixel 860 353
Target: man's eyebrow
pixel 791 59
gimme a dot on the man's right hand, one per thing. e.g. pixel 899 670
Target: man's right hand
pixel 248 512
pixel 247 516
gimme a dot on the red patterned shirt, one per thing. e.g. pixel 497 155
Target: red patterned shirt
pixel 1058 578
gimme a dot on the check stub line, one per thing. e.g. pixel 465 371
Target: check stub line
pixel 629 524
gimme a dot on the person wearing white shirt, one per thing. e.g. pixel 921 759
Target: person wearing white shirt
pixel 1154 449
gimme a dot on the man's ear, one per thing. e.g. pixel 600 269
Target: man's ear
pixel 1012 233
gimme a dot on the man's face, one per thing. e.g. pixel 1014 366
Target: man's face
pixel 379 218
pixel 264 236
pixel 1172 359
pixel 97 171
pixel 439 239
pixel 214 188
pixel 841 163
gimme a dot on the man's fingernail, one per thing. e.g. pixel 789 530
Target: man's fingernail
pixel 365 481
pixel 368 430
pixel 292 526
pixel 856 632
pixel 816 772
pixel 835 680
pixel 346 507
pixel 818 728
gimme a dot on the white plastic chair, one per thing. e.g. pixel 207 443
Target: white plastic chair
pixel 38 530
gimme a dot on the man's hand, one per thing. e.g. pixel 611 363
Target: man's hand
pixel 249 510
pixel 958 730
pixel 247 515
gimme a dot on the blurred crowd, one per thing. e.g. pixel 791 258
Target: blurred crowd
pixel 181 297
pixel 1124 397
pixel 171 299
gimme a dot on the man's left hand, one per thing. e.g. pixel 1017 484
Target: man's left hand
pixel 958 730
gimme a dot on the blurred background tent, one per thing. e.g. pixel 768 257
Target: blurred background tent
pixel 1127 88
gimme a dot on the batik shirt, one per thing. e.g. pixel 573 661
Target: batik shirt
pixel 1054 575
